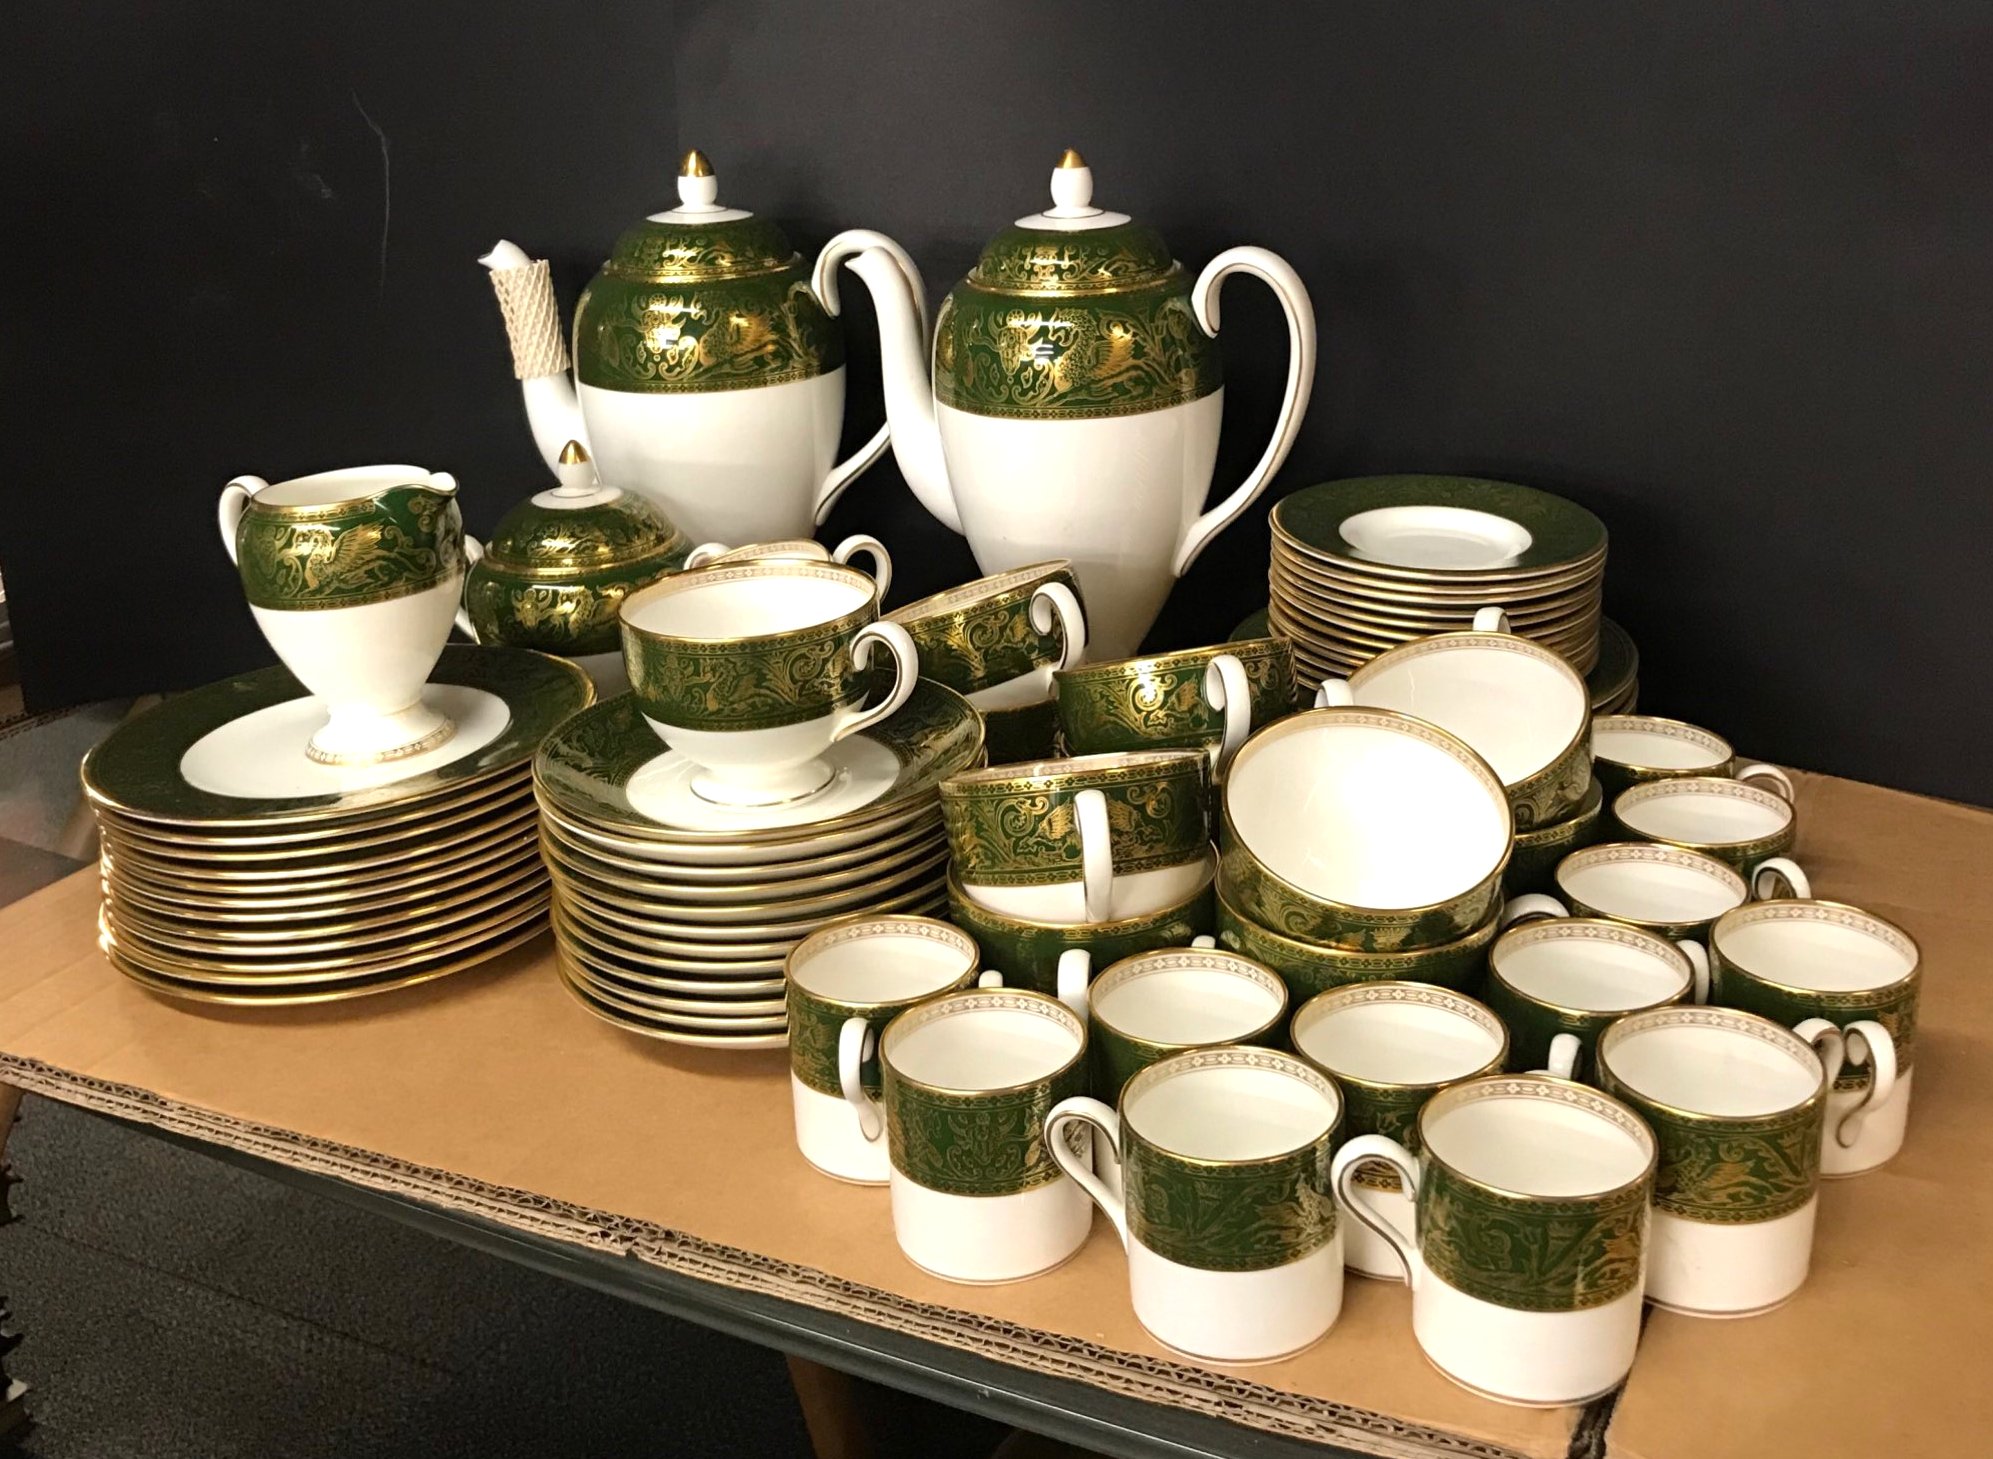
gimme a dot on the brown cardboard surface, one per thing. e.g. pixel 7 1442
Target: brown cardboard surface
pixel 1885 1350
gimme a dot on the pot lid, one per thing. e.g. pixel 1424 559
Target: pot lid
pixel 581 526
pixel 700 241
pixel 1073 247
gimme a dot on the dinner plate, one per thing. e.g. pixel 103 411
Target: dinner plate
pixel 368 849
pixel 482 795
pixel 781 901
pixel 666 1033
pixel 368 867
pixel 747 883
pixel 251 910
pixel 1328 575
pixel 490 853
pixel 684 938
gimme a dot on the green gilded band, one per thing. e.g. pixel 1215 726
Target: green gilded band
pixel 745 684
pixel 815 1026
pixel 1533 1025
pixel 976 1144
pixel 1531 1255
pixel 1274 905
pixel 1226 1217
pixel 1020 833
pixel 1894 1007
pixel 1554 793
pixel 1732 1171
pixel 403 540
pixel 733 334
pixel 1027 954
pixel 575 616
pixel 1151 704
pixel 986 643
pixel 1388 1110
pixel 1308 969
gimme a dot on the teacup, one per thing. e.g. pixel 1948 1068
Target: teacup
pixel 1091 839
pixel 1528 1244
pixel 1365 829
pixel 998 640
pixel 845 982
pixel 1738 1104
pixel 1794 960
pixel 1519 705
pixel 1631 749
pixel 753 670
pixel 1183 699
pixel 1231 1235
pixel 802 549
pixel 1390 1047
pixel 1558 981
pixel 970 1079
pixel 1533 864
pixel 1027 952
pixel 1666 889
pixel 1309 968
pixel 1732 820
pixel 1154 1004
pixel 354 578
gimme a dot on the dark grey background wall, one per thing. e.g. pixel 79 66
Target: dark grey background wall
pixel 1720 272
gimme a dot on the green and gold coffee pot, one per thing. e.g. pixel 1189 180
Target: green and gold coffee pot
pixel 1074 398
pixel 708 373
pixel 560 564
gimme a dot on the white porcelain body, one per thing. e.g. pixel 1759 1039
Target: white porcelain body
pixel 1878 1135
pixel 762 766
pixel 989 1238
pixel 725 465
pixel 1531 1358
pixel 1134 894
pixel 1117 496
pixel 1703 1268
pixel 1237 1317
pixel 828 1134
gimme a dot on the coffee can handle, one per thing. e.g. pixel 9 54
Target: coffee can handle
pixel 1829 1045
pixel 1334 694
pixel 1228 694
pixel 1075 972
pixel 1092 1112
pixel 1698 969
pixel 1775 779
pixel 1562 1060
pixel 1491 619
pixel 856 1043
pixel 1868 1043
pixel 1356 1200
pixel 1096 854
pixel 1774 869
pixel 1532 907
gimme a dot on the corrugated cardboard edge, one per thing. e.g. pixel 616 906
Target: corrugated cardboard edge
pixel 1131 1375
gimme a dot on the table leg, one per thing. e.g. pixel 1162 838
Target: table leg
pixel 829 1401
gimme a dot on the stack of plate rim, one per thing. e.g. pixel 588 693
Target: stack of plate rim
pixel 236 870
pixel 673 916
pixel 1362 566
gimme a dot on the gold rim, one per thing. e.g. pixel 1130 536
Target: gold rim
pixel 1595 928
pixel 416 829
pixel 770 892
pixel 848 868
pixel 1002 589
pixel 1187 1063
pixel 797 855
pixel 275 909
pixel 1183 658
pixel 1571 827
pixel 1703 1015
pixel 484 794
pixel 516 824
pixel 580 972
pixel 1240 966
pixel 1355 994
pixel 1777 905
pixel 968 907
pixel 1636 795
pixel 279 895
pixel 929 1009
pixel 1351 957
pixel 851 619
pixel 1613 853
pixel 840 930
pixel 1644 723
pixel 628 1023
pixel 927 860
pixel 1465 1091
pixel 1077 772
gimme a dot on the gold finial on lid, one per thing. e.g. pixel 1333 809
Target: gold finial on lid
pixel 1070 159
pixel 573 454
pixel 695 165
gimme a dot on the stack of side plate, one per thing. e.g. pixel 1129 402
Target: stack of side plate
pixel 1362 566
pixel 672 916
pixel 236 870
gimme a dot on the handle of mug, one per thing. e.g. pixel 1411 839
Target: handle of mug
pixel 1096 854
pixel 1868 1042
pixel 705 552
pixel 1698 969
pixel 871 547
pixel 1356 1200
pixel 1491 620
pixel 473 555
pixel 1075 972
pixel 1828 1043
pixel 1089 1112
pixel 855 1044
pixel 1057 603
pixel 1228 695
pixel 235 500
pixel 1773 871
pixel 906 672
pixel 823 283
pixel 1532 907
pixel 1775 779
pixel 1334 694
pixel 1562 1060
pixel 1203 942
pixel 989 978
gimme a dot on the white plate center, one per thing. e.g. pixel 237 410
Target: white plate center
pixel 1436 537
pixel 862 770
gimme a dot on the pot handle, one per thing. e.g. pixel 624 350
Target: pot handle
pixel 823 283
pixel 1096 854
pixel 1105 1122
pixel 235 500
pixel 906 672
pixel 1228 694
pixel 473 555
pixel 1293 295
pixel 1354 1200
pixel 1057 603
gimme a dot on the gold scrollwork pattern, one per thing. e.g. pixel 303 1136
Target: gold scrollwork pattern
pixel 404 540
pixel 1528 1254
pixel 1029 836
pixel 1154 703
pixel 732 335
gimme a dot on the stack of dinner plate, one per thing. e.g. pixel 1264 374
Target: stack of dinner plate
pixel 1362 566
pixel 238 870
pixel 673 915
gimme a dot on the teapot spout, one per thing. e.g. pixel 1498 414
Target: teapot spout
pixel 903 347
pixel 525 292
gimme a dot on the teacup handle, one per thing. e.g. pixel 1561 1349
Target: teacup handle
pixel 1698 969
pixel 235 500
pixel 1334 694
pixel 1096 854
pixel 1090 1112
pixel 473 555
pixel 1491 620
pixel 705 552
pixel 1532 907
pixel 1774 778
pixel 871 547
pixel 1868 1042
pixel 1075 972
pixel 1228 694
pixel 856 1043
pixel 906 672
pixel 1770 871
pixel 1356 1199
pixel 1562 1060
pixel 1057 603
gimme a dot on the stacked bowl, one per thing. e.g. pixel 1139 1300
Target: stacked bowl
pixel 1362 566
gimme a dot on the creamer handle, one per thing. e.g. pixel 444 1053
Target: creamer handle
pixel 235 500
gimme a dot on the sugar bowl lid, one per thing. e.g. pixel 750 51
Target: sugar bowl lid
pixel 700 240
pixel 1073 247
pixel 581 527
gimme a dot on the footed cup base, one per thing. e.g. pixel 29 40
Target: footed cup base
pixel 781 788
pixel 377 739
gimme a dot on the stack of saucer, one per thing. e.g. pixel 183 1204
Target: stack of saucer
pixel 1615 679
pixel 1362 566
pixel 238 870
pixel 672 914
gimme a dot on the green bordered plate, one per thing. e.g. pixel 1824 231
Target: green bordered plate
pixel 632 1023
pixel 1612 678
pixel 136 770
pixel 1561 533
